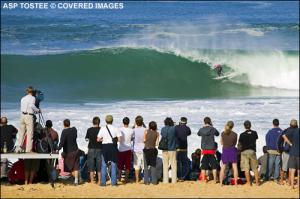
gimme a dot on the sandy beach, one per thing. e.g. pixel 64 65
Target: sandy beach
pixel 189 189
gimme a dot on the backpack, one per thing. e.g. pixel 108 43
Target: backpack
pixel 43 142
pixel 16 173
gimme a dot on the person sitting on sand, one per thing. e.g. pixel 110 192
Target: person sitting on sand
pixel 138 137
pixel 274 159
pixel 292 138
pixel 109 135
pixel 169 155
pixel 70 150
pixel 247 141
pixel 208 133
pixel 125 149
pixel 229 155
pixel 94 150
pixel 151 138
pixel 263 162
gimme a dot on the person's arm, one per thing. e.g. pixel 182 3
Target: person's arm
pixel 286 139
pixel 62 141
pixel 119 135
pixel 145 134
pixel 99 136
pixel 267 138
pixel 32 105
pixel 216 133
pixel 235 140
pixel 157 139
pixel 189 131
pixel 221 140
pixel 200 133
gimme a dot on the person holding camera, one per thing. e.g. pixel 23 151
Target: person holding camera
pixel 28 109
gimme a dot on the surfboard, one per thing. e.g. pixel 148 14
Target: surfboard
pixel 225 76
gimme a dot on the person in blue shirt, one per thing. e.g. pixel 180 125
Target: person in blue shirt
pixel 274 159
pixel 292 138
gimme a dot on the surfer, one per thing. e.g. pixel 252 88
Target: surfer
pixel 218 68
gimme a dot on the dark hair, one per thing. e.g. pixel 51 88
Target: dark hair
pixel 207 120
pixel 276 122
pixel 67 123
pixel 168 122
pixel 49 123
pixel 153 125
pixel 30 89
pixel 126 120
pixel 183 119
pixel 139 120
pixel 265 148
pixel 247 124
pixel 96 120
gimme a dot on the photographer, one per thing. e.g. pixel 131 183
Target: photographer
pixel 28 108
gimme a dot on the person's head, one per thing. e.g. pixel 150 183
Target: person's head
pixel 198 151
pixel 228 127
pixel 30 90
pixel 183 120
pixel 109 119
pixel 265 148
pixel 207 121
pixel 49 124
pixel 169 122
pixel 275 122
pixel 67 123
pixel 247 125
pixel 139 120
pixel 126 121
pixel 3 120
pixel 152 126
pixel 96 121
pixel 294 123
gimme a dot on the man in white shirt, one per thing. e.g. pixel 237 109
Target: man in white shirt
pixel 108 135
pixel 28 109
pixel 125 149
pixel 139 144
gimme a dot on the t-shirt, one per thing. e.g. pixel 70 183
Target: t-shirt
pixel 248 139
pixel 229 140
pixel 182 132
pixel 139 139
pixel 8 134
pixel 293 136
pixel 103 133
pixel 91 135
pixel 68 140
pixel 126 139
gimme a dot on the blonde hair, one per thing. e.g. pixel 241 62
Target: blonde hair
pixel 30 89
pixel 228 127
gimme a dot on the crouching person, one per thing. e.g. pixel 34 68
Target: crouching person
pixel 109 135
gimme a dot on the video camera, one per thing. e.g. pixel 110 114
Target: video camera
pixel 39 96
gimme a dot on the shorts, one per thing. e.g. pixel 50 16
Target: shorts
pixel 229 155
pixel 32 165
pixel 124 160
pixel 94 160
pixel 208 162
pixel 284 161
pixel 71 161
pixel 138 161
pixel 249 160
pixel 293 162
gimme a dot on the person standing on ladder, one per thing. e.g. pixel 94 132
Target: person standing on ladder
pixel 28 109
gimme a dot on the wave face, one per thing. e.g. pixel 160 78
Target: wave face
pixel 139 73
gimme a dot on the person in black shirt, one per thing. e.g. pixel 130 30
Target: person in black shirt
pixel 247 144
pixel 70 149
pixel 94 152
pixel 8 134
pixel 182 131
